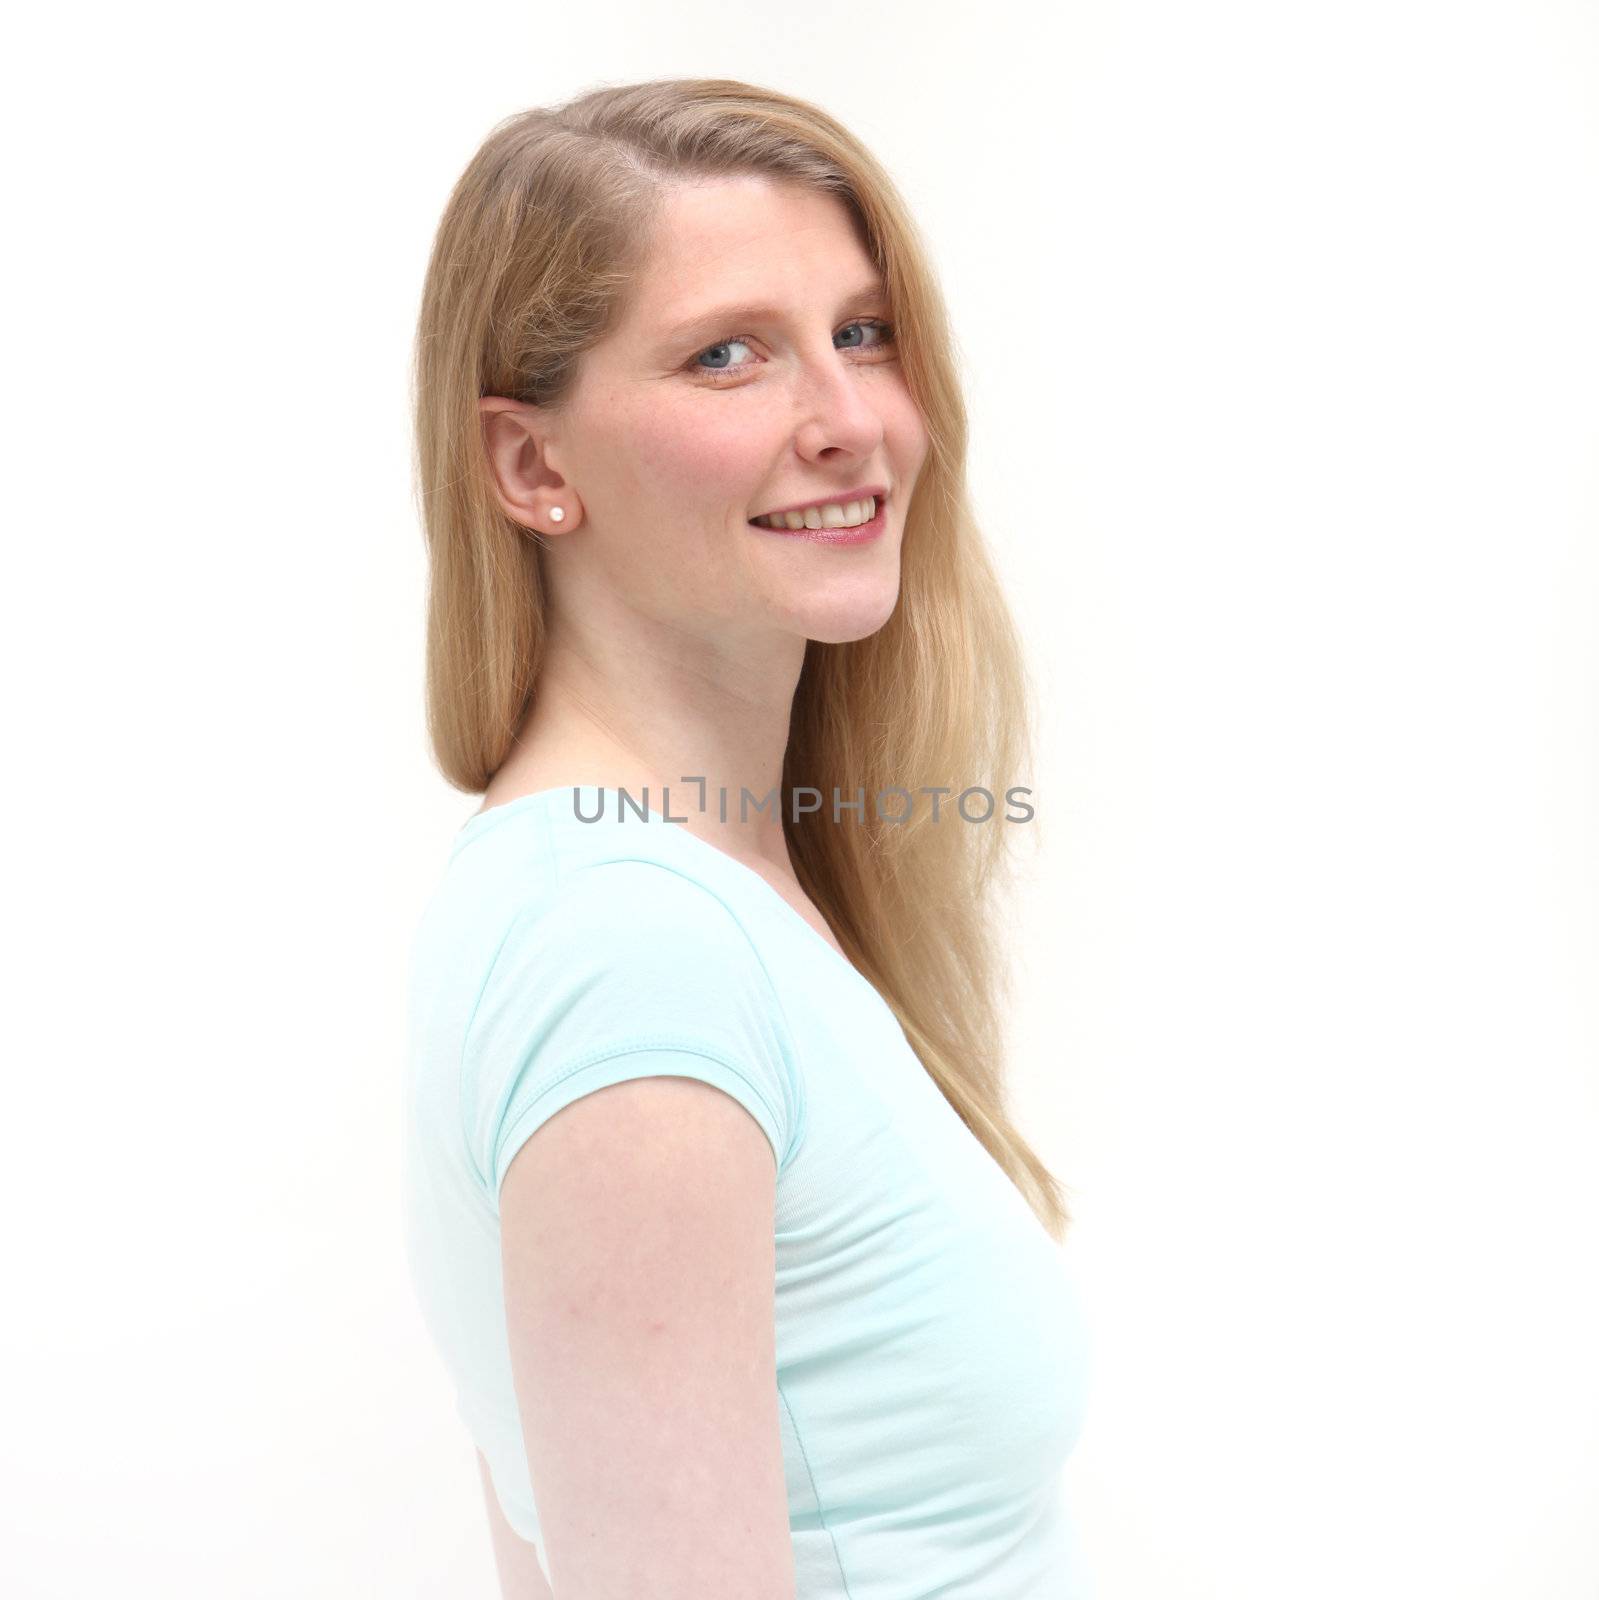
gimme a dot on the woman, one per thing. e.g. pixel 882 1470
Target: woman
pixel 747 1284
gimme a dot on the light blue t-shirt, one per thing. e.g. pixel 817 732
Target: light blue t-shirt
pixel 932 1354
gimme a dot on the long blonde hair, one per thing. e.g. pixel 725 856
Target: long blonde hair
pixel 539 243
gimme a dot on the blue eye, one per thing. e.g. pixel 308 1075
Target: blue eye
pixel 884 330
pixel 726 344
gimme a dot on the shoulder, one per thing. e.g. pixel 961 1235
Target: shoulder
pixel 624 968
pixel 635 952
pixel 633 914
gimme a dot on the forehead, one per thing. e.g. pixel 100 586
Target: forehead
pixel 746 238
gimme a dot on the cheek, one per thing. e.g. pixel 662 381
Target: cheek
pixel 907 430
pixel 693 452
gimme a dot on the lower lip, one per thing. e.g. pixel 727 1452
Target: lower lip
pixel 861 535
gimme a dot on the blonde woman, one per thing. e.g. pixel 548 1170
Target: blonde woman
pixel 747 1283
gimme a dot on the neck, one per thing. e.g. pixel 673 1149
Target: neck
pixel 677 718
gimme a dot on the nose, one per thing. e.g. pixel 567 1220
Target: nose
pixel 835 407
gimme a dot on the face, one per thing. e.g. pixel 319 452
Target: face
pixel 691 418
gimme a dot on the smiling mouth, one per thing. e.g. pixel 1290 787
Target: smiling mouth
pixel 814 518
pixel 857 533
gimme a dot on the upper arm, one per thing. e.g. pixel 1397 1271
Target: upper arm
pixel 638 1247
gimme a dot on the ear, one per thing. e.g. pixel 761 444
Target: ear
pixel 517 438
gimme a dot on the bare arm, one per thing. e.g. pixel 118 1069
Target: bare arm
pixel 638 1252
pixel 521 1577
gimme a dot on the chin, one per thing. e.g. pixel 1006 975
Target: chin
pixel 843 624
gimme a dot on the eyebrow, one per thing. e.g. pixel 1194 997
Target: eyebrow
pixel 723 319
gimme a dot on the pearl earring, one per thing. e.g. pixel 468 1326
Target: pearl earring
pixel 557 514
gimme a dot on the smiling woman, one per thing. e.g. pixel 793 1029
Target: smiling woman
pixel 746 1279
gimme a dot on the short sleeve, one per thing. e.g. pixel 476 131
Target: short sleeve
pixel 624 969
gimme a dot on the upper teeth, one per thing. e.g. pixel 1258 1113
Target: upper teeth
pixel 846 514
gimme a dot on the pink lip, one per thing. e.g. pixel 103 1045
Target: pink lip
pixel 861 535
pixel 874 489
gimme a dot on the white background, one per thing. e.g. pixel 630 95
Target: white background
pixel 1281 337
